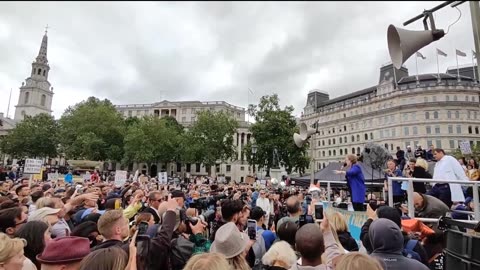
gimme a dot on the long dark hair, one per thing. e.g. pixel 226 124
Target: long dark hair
pixel 33 232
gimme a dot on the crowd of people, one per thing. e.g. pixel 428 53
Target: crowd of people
pixel 96 224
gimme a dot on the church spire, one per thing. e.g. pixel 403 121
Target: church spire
pixel 42 54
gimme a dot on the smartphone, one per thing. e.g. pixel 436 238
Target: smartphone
pixel 302 220
pixel 318 211
pixel 252 229
pixel 142 228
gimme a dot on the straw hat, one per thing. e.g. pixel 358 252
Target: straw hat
pixel 229 241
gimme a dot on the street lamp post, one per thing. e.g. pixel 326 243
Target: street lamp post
pixel 254 153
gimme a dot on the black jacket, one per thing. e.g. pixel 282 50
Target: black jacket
pixel 420 172
pixel 112 243
pixel 365 237
pixel 160 244
pixel 347 241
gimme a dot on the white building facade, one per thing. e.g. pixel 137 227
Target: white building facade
pixel 410 112
pixel 185 112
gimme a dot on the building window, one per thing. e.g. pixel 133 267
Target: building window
pixel 39 71
pixel 353 150
pixel 380 134
pixel 466 98
pixel 428 129
pixel 439 143
pixel 323 143
pixel 242 168
pixel 188 167
pixel 353 138
pixel 358 138
pixel 345 128
pixel 459 129
pixel 468 114
pixel 450 129
pixel 346 151
pixel 476 130
pixel 437 129
pixel 415 131
pixel 197 167
pixel 406 131
pixel 470 130
pixel 323 153
pixel 358 150
pixel 27 96
pixel 334 152
pixel 366 137
pixel 386 146
pixel 427 115
pixel 329 142
pixel 447 98
pixel 452 144
pixel 455 98
pixel 340 140
pixel 229 168
pixel 42 101
pixel 371 136
pixel 341 152
pixel 475 115
pixel 329 153
pixel 333 141
pixel 473 99
pixel 457 114
pixel 44 72
pixel 429 142
pixel 405 117
pixel 435 115
pixel 345 139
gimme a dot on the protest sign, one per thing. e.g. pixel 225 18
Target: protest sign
pixel 120 178
pixel 162 178
pixel 32 166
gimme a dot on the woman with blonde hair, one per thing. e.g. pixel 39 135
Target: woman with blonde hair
pixel 339 225
pixel 280 256
pixel 358 261
pixel 420 171
pixel 208 261
pixel 11 252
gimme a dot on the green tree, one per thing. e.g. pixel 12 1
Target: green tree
pixel 93 130
pixel 273 132
pixel 152 140
pixel 210 139
pixel 35 136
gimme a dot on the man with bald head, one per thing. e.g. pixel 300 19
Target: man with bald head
pixel 311 241
pixel 427 206
pixel 294 210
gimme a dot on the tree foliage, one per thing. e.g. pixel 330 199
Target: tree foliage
pixel 153 139
pixel 210 139
pixel 93 130
pixel 35 136
pixel 273 129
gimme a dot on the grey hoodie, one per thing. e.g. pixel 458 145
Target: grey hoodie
pixel 331 251
pixel 387 244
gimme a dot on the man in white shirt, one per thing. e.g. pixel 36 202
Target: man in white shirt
pixel 264 203
pixel 447 168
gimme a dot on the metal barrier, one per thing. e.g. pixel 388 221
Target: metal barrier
pixel 328 182
pixel 411 208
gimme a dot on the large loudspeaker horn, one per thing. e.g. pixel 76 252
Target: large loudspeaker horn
pixel 298 140
pixel 305 133
pixel 403 43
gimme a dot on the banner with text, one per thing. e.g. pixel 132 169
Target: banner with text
pixel 33 166
pixel 120 178
pixel 162 178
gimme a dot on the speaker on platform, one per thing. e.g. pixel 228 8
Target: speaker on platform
pixel 403 43
pixel 305 133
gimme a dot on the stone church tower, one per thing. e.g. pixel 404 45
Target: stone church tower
pixel 36 92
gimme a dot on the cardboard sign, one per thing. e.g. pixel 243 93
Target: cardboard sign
pixel 162 178
pixel 33 166
pixel 120 178
pixel 465 147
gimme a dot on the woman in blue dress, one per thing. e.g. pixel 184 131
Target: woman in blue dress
pixel 355 182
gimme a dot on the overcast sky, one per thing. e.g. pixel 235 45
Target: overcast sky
pixel 144 52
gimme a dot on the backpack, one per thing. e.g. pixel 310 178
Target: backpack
pixel 181 250
pixel 259 250
pixel 408 250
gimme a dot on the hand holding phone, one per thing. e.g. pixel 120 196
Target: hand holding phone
pixel 252 229
pixel 142 228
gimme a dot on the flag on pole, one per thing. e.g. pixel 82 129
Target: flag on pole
pixel 421 55
pixel 439 52
pixel 460 53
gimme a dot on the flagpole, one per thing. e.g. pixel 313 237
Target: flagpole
pixel 473 67
pixel 458 70
pixel 248 104
pixel 416 65
pixel 438 69
pixel 9 99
